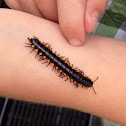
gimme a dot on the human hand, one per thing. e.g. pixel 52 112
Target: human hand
pixel 75 17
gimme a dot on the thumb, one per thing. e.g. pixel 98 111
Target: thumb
pixel 94 9
pixel 71 20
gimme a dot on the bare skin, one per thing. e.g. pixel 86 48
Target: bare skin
pixel 75 17
pixel 24 77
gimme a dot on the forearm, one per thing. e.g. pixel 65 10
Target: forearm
pixel 23 77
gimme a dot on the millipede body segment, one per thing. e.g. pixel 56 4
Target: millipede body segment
pixel 59 63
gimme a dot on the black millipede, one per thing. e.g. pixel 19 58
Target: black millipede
pixel 59 63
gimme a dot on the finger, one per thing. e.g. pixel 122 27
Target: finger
pixel 94 8
pixel 14 4
pixel 48 8
pixel 30 7
pixel 71 20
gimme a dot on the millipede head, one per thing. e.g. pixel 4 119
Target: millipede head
pixel 30 40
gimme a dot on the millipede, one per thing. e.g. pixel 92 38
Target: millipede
pixel 60 63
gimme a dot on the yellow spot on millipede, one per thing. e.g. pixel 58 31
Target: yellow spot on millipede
pixel 40 53
pixel 81 85
pixel 75 82
pixel 36 50
pixel 48 60
pixel 66 62
pixel 71 79
pixel 65 74
pixel 68 77
pixel 60 70
pixel 53 64
pixel 44 57
pixel 33 46
pixel 56 67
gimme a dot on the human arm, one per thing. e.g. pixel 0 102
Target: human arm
pixel 24 77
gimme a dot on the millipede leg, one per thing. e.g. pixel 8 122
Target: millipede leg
pixel 40 59
pixel 55 52
pixel 71 65
pixel 66 60
pixel 27 43
pixel 94 90
pixel 77 85
pixel 27 46
pixel 58 55
pixel 48 64
pixel 61 57
pixel 70 80
pixel 50 48
pixel 53 68
pixel 95 79
pixel 48 45
pixel 75 68
pixel 44 62
pixel 62 76
pixel 35 37
pixel 32 50
pixel 36 55
pixel 66 79
pixel 81 71
pixel 56 70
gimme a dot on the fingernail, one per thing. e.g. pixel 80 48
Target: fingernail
pixel 94 16
pixel 75 42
